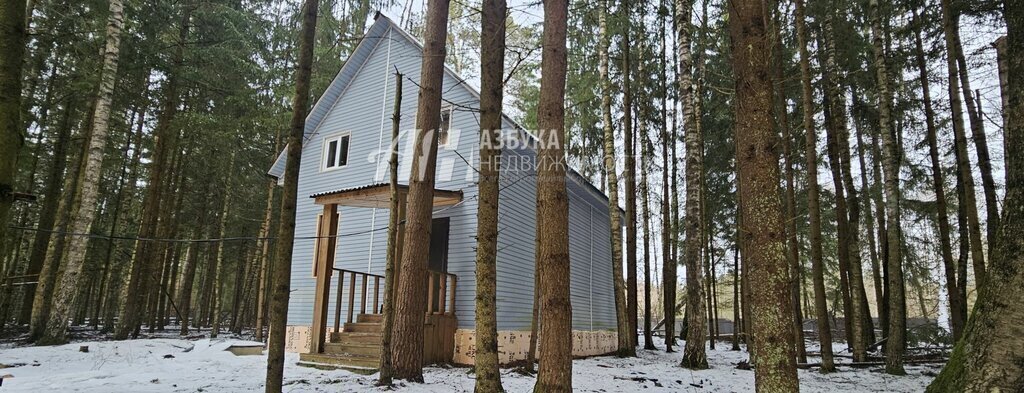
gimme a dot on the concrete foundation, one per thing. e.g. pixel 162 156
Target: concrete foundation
pixel 514 345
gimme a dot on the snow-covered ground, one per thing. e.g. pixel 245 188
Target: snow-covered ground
pixel 177 365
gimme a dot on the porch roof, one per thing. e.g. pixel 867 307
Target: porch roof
pixel 378 196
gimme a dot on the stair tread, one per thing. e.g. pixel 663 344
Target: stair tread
pixel 355 344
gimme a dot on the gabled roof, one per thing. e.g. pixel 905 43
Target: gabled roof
pixel 377 32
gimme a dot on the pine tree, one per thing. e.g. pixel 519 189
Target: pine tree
pixel 411 303
pixel 492 69
pixel 555 371
pixel 286 231
pixel 757 164
pixel 813 200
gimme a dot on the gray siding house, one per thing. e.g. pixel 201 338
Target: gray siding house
pixel 346 132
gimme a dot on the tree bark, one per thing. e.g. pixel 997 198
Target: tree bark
pixel 411 304
pixel 555 372
pixel 492 69
pixel 758 165
pixel 895 345
pixel 813 199
pixel 391 262
pixel 286 230
pixel 84 210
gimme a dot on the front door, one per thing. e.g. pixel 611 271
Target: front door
pixel 438 257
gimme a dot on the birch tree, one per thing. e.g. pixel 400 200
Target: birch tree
pixel 890 158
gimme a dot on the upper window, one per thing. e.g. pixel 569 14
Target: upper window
pixel 335 151
pixel 445 126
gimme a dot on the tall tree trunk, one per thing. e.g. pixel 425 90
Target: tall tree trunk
pixel 951 26
pixel 813 199
pixel 12 44
pixel 286 231
pixel 553 208
pixel 84 210
pixel 825 43
pixel 612 176
pixel 218 271
pixel 145 261
pixel 988 358
pixel 57 246
pixel 645 154
pixel 895 345
pixel 957 311
pixel 967 197
pixel 492 69
pixel 848 215
pixel 668 274
pixel 736 324
pixel 411 304
pixel 48 213
pixel 694 354
pixel 758 166
pixel 191 263
pixel 1004 95
pixel 876 273
pixel 629 172
pixel 391 262
pixel 780 107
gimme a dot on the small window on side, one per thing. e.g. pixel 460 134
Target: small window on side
pixel 335 153
pixel 445 126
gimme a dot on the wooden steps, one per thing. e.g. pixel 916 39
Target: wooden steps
pixel 355 348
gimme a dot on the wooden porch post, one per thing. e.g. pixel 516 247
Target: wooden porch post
pixel 324 269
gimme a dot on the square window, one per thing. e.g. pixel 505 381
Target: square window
pixel 335 153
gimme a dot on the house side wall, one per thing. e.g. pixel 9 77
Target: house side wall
pixel 364 110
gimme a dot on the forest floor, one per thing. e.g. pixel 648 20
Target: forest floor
pixel 203 365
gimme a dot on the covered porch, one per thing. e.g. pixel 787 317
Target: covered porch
pixel 353 339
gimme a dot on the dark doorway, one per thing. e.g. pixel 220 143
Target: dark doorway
pixel 438 258
pixel 439 245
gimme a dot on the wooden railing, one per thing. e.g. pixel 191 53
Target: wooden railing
pixel 357 282
pixel 441 292
pixel 365 292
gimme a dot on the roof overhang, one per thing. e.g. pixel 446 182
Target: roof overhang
pixel 379 196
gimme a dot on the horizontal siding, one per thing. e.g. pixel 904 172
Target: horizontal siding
pixel 364 110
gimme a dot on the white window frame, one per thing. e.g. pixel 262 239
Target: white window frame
pixel 450 110
pixel 324 149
